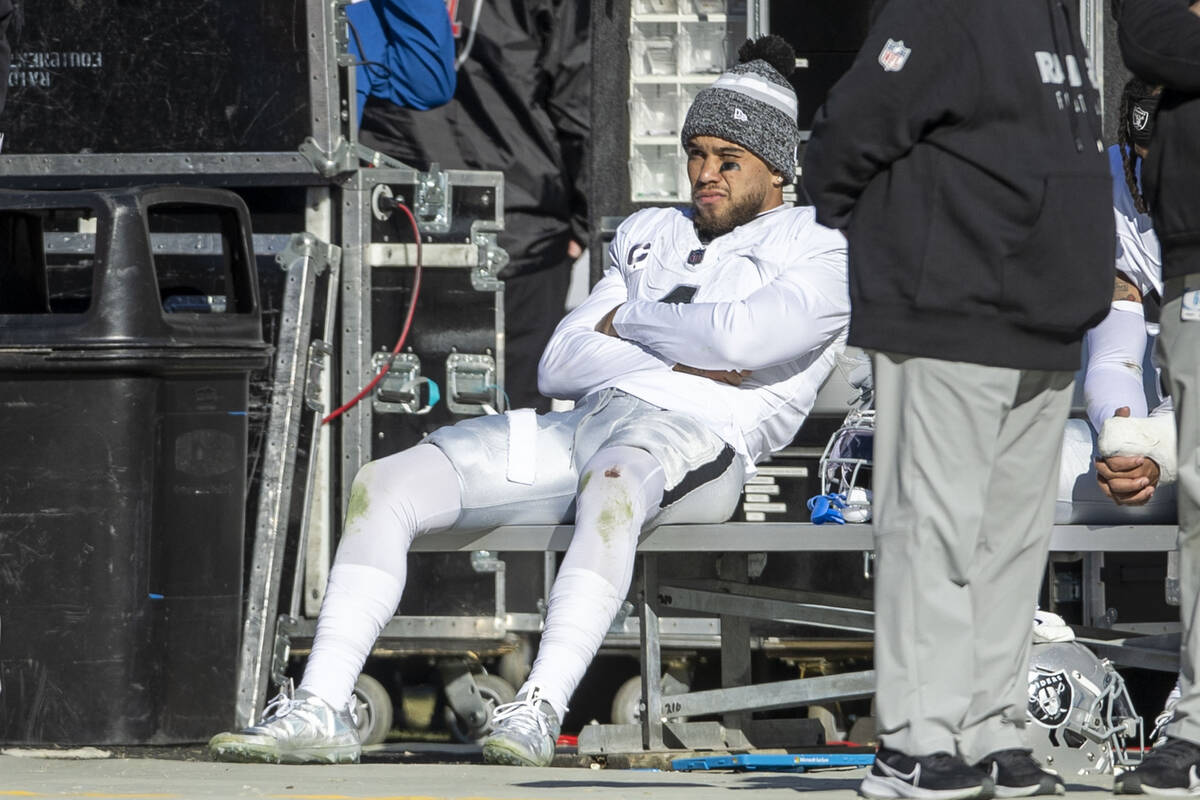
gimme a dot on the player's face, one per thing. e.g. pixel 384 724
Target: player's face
pixel 730 185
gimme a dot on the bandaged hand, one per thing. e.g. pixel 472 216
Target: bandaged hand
pixel 1136 455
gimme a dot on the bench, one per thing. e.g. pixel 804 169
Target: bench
pixel 722 613
pixel 735 601
pixel 752 537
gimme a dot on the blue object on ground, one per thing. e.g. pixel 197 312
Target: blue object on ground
pixel 785 762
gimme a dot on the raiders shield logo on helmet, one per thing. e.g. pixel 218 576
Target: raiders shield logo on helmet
pixel 894 55
pixel 1050 697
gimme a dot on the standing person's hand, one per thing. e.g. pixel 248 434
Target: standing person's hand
pixel 1128 480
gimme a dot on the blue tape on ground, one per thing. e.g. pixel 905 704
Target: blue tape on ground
pixel 795 762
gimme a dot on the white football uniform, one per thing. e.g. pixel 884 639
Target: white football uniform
pixel 770 297
pixel 643 443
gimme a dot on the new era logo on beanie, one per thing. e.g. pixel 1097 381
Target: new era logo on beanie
pixel 753 105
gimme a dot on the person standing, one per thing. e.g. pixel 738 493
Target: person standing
pixel 404 52
pixel 521 107
pixel 1160 42
pixel 961 156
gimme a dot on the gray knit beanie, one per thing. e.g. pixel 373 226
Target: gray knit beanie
pixel 753 105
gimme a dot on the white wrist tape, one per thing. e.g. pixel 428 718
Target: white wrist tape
pixel 1152 437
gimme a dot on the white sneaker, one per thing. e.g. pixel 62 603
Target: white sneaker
pixel 524 732
pixel 299 729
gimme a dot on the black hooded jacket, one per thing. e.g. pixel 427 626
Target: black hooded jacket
pixel 961 156
pixel 1160 40
pixel 521 107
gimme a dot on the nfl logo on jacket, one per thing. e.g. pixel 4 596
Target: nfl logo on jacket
pixel 894 55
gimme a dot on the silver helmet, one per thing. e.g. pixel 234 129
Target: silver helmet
pixel 1079 713
pixel 846 464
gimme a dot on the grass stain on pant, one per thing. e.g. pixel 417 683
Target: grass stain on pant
pixel 359 502
pixel 617 515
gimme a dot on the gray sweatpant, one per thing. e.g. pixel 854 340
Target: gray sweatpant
pixel 965 475
pixel 1179 353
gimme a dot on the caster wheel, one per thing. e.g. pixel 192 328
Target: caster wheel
pixel 494 691
pixel 373 709
pixel 627 702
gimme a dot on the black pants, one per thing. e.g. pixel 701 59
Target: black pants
pixel 533 306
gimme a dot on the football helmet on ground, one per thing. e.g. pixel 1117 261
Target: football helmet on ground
pixel 1079 713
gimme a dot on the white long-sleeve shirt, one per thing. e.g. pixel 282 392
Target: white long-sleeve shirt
pixel 770 296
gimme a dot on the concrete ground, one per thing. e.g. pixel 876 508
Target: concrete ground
pixel 402 772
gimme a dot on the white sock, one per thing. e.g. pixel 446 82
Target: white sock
pixel 621 486
pixel 392 501
pixel 581 609
pixel 359 600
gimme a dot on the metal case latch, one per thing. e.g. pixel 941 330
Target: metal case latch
pixel 400 390
pixel 432 202
pixel 471 386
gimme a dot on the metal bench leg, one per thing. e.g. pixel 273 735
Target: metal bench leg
pixel 735 639
pixel 651 657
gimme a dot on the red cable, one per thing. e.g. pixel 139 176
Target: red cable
pixel 412 307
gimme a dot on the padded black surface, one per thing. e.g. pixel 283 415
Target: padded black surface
pixel 119 77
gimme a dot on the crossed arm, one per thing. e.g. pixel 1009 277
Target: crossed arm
pixel 610 335
pixel 578 361
pixel 797 312
pixel 733 377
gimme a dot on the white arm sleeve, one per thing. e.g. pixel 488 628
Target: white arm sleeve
pixel 1116 348
pixel 579 360
pixel 801 310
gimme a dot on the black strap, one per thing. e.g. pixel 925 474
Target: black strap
pixel 699 476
